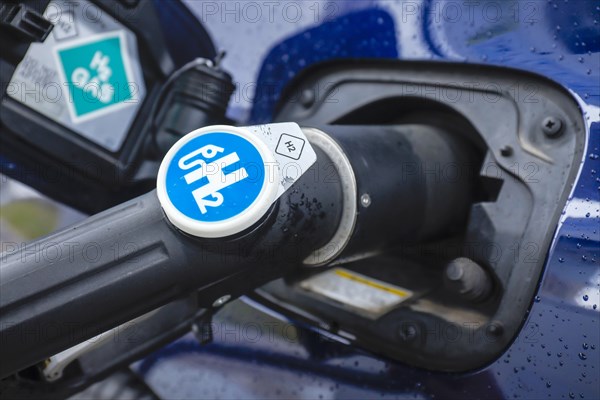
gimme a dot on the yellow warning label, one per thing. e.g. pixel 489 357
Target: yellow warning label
pixel 344 273
pixel 360 293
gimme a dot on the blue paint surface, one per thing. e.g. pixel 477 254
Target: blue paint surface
pixel 557 353
pixel 367 33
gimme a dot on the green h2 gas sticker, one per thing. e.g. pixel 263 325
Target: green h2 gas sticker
pixel 97 75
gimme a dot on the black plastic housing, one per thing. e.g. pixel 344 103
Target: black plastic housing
pixel 523 178
pixel 128 260
pixel 63 164
pixel 117 265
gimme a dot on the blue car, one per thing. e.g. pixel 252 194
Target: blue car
pixel 301 200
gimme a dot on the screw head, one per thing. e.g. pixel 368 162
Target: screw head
pixel 408 332
pixel 221 300
pixel 506 151
pixel 552 126
pixel 365 200
pixel 495 328
pixel 307 98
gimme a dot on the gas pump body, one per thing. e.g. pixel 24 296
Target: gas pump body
pixel 75 108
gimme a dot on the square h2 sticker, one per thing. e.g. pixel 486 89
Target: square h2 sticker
pixel 97 75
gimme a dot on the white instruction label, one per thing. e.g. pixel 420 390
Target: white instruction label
pixel 359 293
pixel 291 149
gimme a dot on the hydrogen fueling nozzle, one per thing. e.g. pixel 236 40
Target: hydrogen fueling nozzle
pixel 233 209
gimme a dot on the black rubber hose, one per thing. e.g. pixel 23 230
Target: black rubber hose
pixel 126 261
pixel 117 265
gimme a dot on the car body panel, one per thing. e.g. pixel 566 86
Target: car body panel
pixel 257 354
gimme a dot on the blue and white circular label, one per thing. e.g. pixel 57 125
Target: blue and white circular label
pixel 217 181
